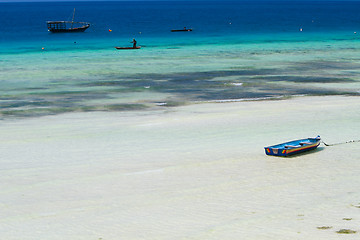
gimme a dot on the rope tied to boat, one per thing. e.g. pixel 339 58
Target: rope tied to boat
pixel 329 145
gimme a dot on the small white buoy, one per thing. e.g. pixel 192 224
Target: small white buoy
pixel 301 29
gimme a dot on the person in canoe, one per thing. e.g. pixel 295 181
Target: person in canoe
pixel 134 43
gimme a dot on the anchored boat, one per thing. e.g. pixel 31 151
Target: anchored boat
pixel 182 30
pixel 293 147
pixel 67 26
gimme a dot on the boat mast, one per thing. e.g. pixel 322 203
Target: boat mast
pixel 72 22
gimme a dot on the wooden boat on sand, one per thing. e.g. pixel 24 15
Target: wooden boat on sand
pixel 293 147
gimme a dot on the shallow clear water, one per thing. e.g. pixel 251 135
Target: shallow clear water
pixel 237 50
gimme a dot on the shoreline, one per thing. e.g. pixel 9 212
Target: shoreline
pixel 143 106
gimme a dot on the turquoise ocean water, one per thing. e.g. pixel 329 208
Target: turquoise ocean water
pixel 237 50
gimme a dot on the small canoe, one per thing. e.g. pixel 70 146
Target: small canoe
pixel 293 147
pixel 127 48
pixel 181 30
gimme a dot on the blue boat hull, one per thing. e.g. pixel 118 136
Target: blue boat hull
pixel 293 147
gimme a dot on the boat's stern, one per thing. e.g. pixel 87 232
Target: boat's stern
pixel 275 151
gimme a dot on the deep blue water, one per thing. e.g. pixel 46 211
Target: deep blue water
pixel 26 21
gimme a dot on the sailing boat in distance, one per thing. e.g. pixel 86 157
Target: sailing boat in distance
pixel 63 26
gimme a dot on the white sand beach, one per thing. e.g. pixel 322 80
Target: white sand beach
pixel 192 172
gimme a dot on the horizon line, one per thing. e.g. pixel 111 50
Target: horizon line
pixel 53 1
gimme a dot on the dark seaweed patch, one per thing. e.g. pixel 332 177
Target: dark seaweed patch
pixel 324 227
pixel 304 79
pixel 323 65
pixel 36 112
pixel 346 231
